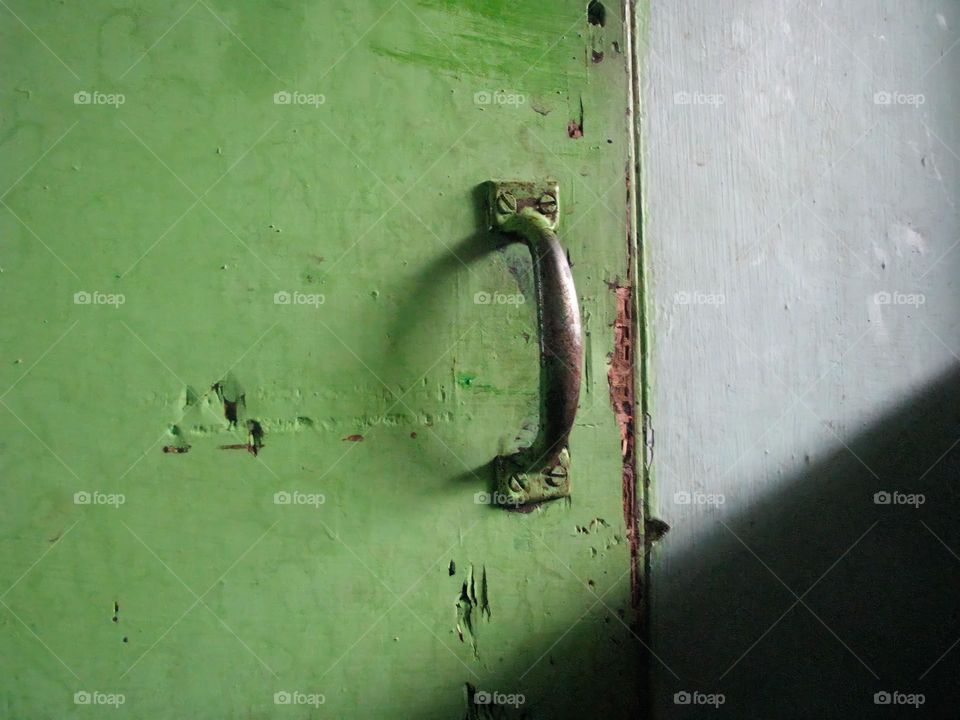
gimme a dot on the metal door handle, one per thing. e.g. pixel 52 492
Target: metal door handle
pixel 540 471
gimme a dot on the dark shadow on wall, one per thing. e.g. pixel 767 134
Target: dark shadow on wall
pixel 433 294
pixel 878 592
pixel 878 583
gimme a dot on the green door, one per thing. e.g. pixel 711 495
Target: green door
pixel 261 348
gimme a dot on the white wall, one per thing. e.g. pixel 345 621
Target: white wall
pixel 781 195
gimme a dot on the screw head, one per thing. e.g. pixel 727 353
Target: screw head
pixel 556 476
pixel 547 204
pixel 506 202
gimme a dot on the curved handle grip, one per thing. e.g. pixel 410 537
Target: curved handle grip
pixel 540 472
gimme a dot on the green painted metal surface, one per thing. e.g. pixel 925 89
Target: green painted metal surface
pixel 321 254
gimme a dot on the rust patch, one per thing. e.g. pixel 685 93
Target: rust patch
pixel 575 127
pixel 620 376
pixel 176 449
pixel 354 438
pixel 249 447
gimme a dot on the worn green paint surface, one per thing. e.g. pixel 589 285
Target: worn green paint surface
pixel 197 200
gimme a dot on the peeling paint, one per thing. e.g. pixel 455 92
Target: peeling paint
pixel 471 607
pixel 592 526
pixel 232 396
pixel 575 126
pixel 623 398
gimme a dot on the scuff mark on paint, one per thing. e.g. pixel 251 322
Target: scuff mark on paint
pixel 273 425
pixel 354 438
pixel 471 608
pixel 906 238
pixel 176 450
pixel 539 108
pixel 469 381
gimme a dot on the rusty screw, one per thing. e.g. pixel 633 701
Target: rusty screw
pixel 506 202
pixel 547 204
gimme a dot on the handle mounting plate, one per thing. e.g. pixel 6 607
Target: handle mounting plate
pixel 509 197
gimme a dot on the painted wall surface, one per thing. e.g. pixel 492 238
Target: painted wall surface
pixel 800 176
pixel 269 212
